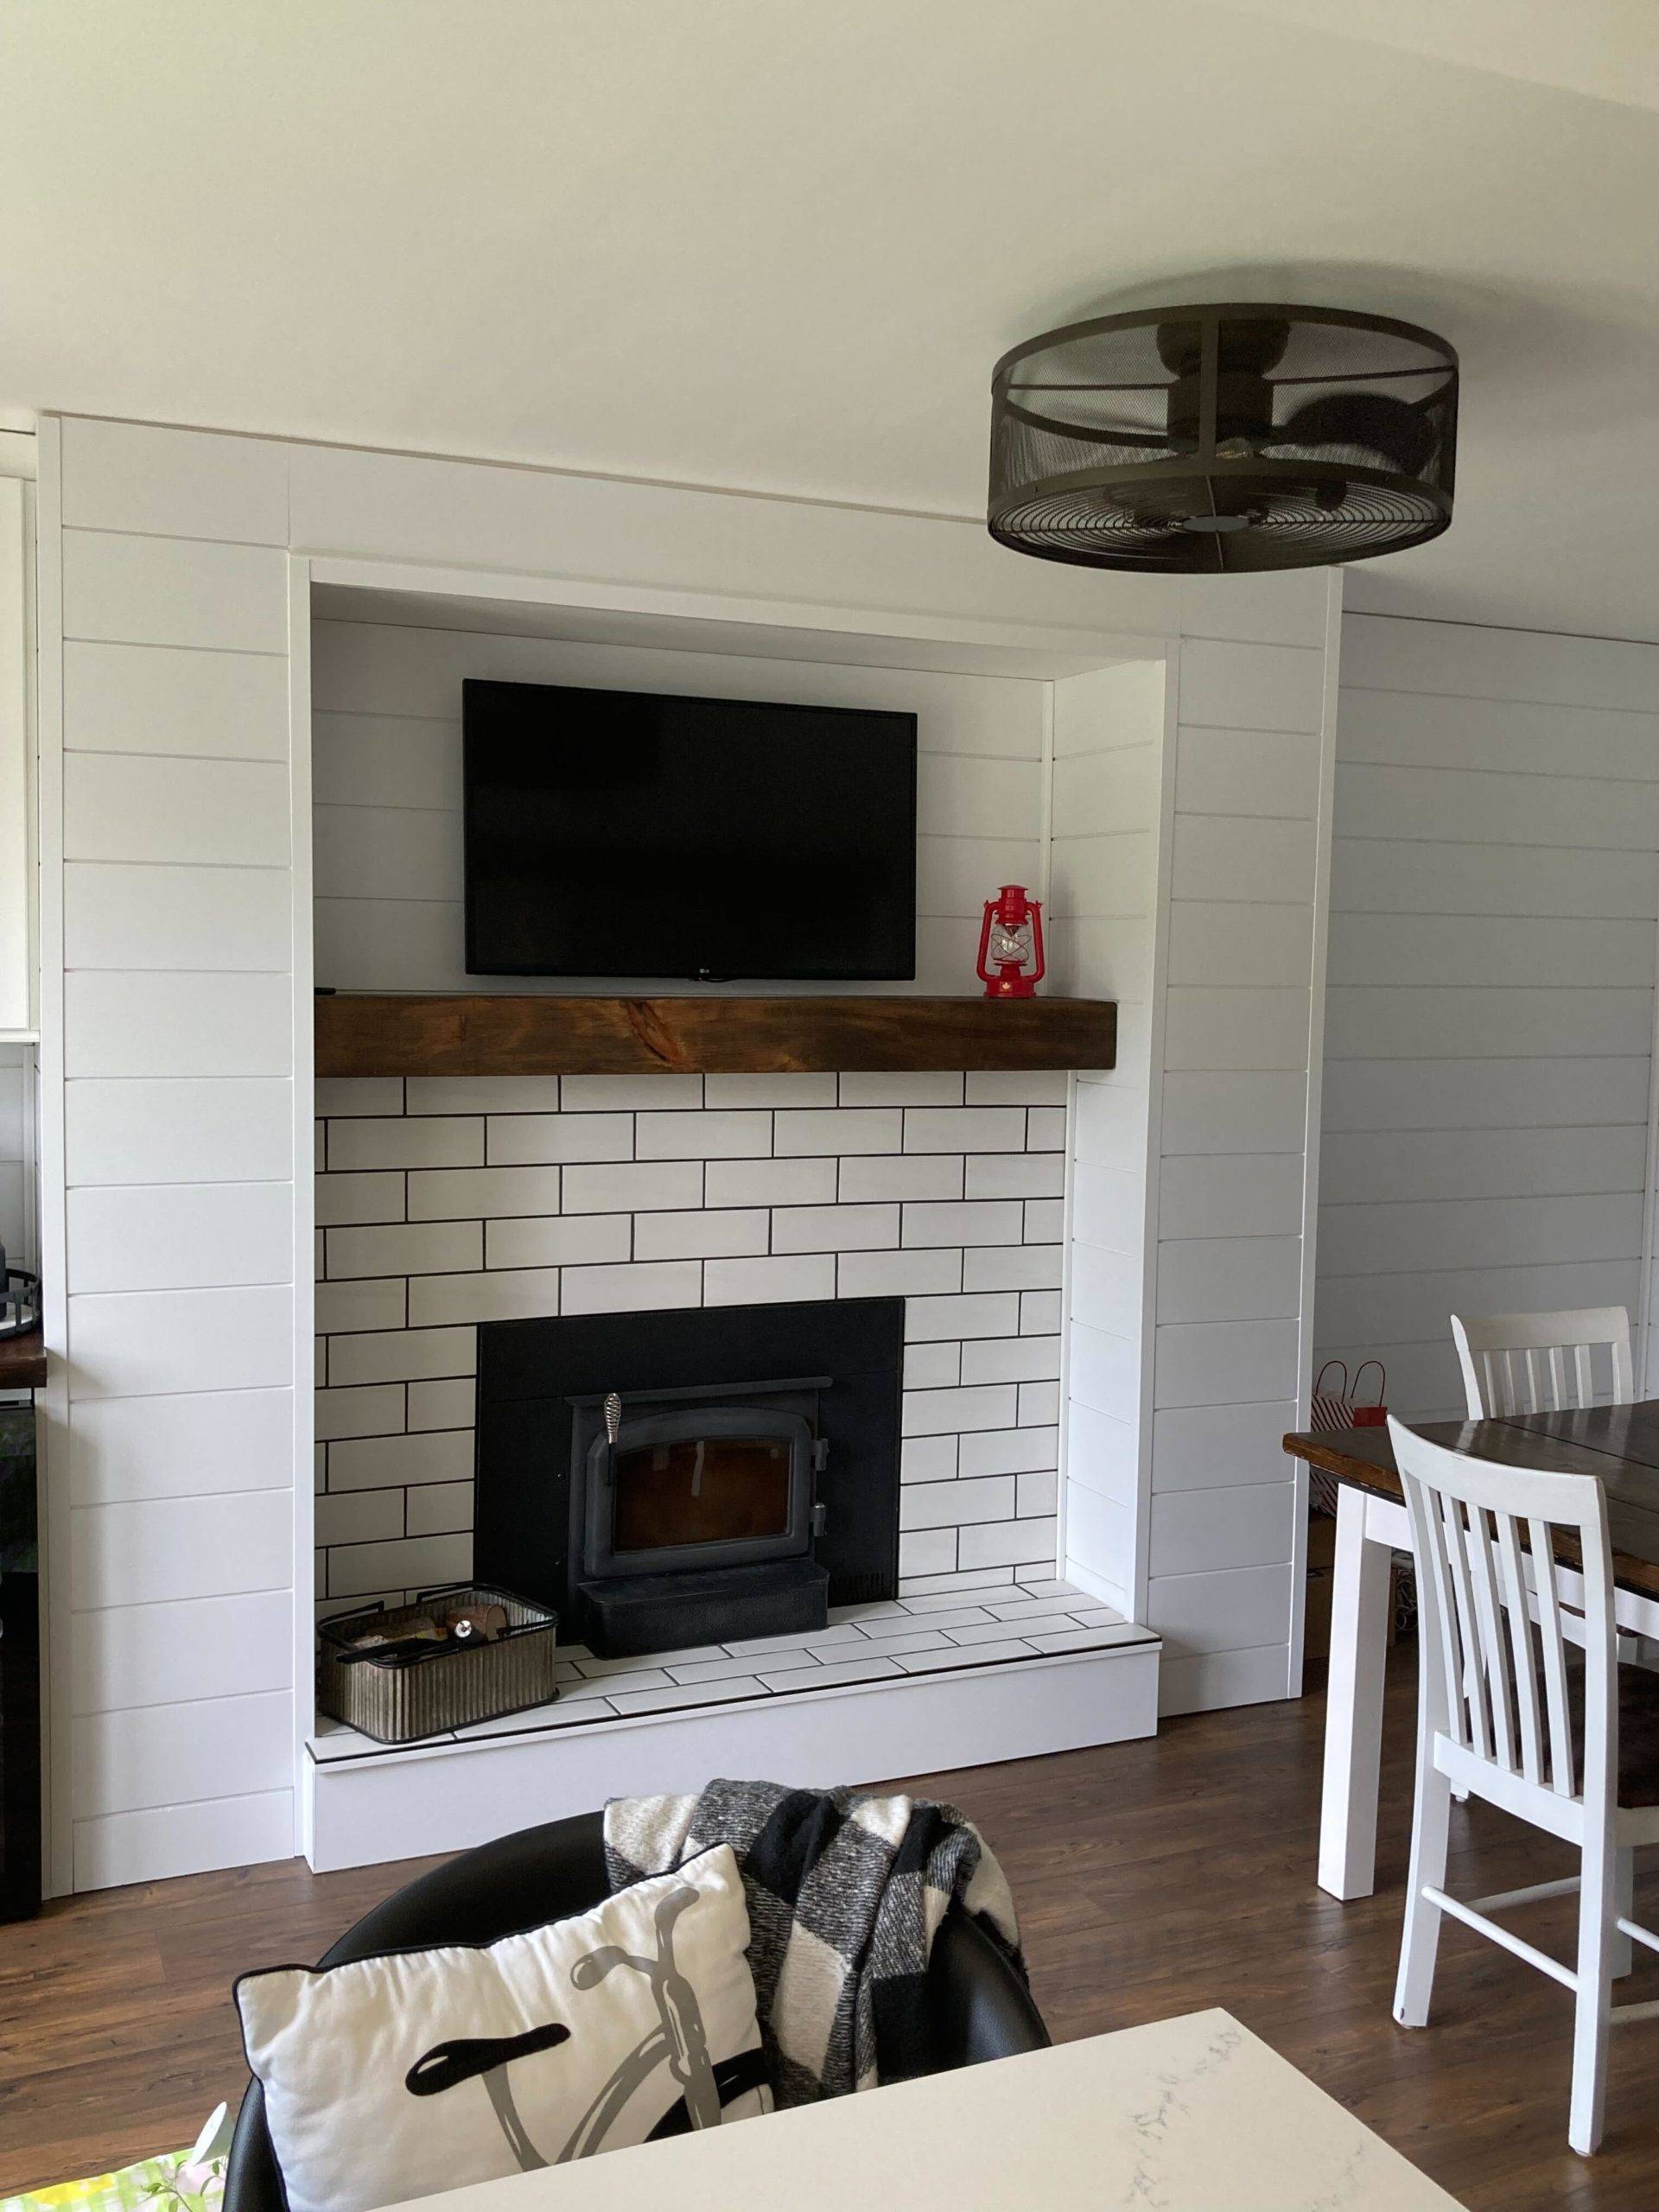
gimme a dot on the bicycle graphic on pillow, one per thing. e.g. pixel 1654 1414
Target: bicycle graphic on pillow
pixel 679 2041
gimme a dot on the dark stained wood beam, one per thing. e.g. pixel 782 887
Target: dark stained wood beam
pixel 367 1034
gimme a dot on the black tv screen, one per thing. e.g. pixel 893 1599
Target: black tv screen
pixel 636 833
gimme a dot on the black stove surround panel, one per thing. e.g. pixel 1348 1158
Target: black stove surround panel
pixel 667 1479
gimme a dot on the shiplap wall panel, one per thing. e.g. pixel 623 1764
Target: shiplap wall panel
pixel 1108 804
pixel 177 1150
pixel 1495 896
pixel 387 813
pixel 17 1154
pixel 167 699
pixel 1251 816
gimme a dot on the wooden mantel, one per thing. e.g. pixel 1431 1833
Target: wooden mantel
pixel 367 1034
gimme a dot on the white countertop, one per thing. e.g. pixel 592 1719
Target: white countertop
pixel 1187 2115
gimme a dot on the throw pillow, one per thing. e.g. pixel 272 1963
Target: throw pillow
pixel 397 2076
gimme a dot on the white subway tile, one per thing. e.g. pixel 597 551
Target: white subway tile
pixel 633 1186
pixel 741 1282
pixel 1012 1359
pixel 993 1314
pixel 439 1509
pixel 388 1462
pixel 932 1367
pixel 1007 1087
pixel 954 1505
pixel 539 1138
pixel 702 1136
pixel 1045 1129
pixel 585 1241
pixel 1008 1451
pixel 344 1306
pixel 1039 1405
pixel 502 1294
pixel 1040 1313
pixel 925 1272
pixel 428 1248
pixel 834 1229
pixel 1016 1175
pixel 918 1087
pixel 964 1128
pixel 981 1654
pixel 372 1196
pixel 483 1193
pixel 868 1668
pixel 928 1458
pixel 1014 1267
pixel 863 1128
pixel 937 1413
pixel 715 1233
pixel 416 1562
pixel 359 1517
pixel 900 1175
pixel 770 1182
pixel 342 1095
pixel 1007 1543
pixel 431 1142
pixel 376 1409
pixel 652 1284
pixel 483 1094
pixel 403 1354
pixel 927 1551
pixel 992 1220
pixel 451 1403
pixel 809 1090
pixel 628 1094
pixel 1044 1220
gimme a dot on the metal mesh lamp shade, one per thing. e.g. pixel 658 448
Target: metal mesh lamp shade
pixel 1210 439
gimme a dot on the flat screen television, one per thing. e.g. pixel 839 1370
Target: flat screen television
pixel 638 834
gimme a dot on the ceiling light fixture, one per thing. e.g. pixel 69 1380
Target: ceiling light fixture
pixel 1209 440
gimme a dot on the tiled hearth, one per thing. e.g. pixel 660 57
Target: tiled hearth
pixel 443 1202
pixel 928 1634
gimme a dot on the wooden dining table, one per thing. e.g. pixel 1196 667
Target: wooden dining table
pixel 1618 1444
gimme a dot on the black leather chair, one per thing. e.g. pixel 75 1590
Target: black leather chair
pixel 977 2006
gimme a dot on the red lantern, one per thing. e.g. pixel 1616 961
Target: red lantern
pixel 1011 936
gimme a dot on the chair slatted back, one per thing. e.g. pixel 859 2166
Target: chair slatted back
pixel 1544 1363
pixel 1493 1619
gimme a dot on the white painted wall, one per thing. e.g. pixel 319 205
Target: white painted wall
pixel 1192 831
pixel 386 776
pixel 1495 885
pixel 175 1017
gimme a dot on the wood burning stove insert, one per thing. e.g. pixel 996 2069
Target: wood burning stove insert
pixel 691 1489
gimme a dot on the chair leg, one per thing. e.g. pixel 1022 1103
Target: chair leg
pixel 1420 1939
pixel 1592 2021
pixel 1622 1950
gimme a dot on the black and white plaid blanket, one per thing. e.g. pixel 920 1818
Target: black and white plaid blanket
pixel 846 1892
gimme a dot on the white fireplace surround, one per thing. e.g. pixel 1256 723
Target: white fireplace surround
pixel 1174 742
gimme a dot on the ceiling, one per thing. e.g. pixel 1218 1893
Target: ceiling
pixel 778 243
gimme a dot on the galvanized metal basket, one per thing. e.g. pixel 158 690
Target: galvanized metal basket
pixel 398 1700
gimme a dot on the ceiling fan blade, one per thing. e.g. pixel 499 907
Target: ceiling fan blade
pixel 1398 432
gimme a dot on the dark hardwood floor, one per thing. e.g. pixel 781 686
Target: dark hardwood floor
pixel 1152 1878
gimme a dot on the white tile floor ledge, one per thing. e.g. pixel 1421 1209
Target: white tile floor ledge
pixel 930 1680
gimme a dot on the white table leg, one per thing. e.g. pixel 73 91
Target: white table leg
pixel 1353 1713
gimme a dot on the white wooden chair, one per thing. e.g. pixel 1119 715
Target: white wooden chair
pixel 1544 1363
pixel 1501 1716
